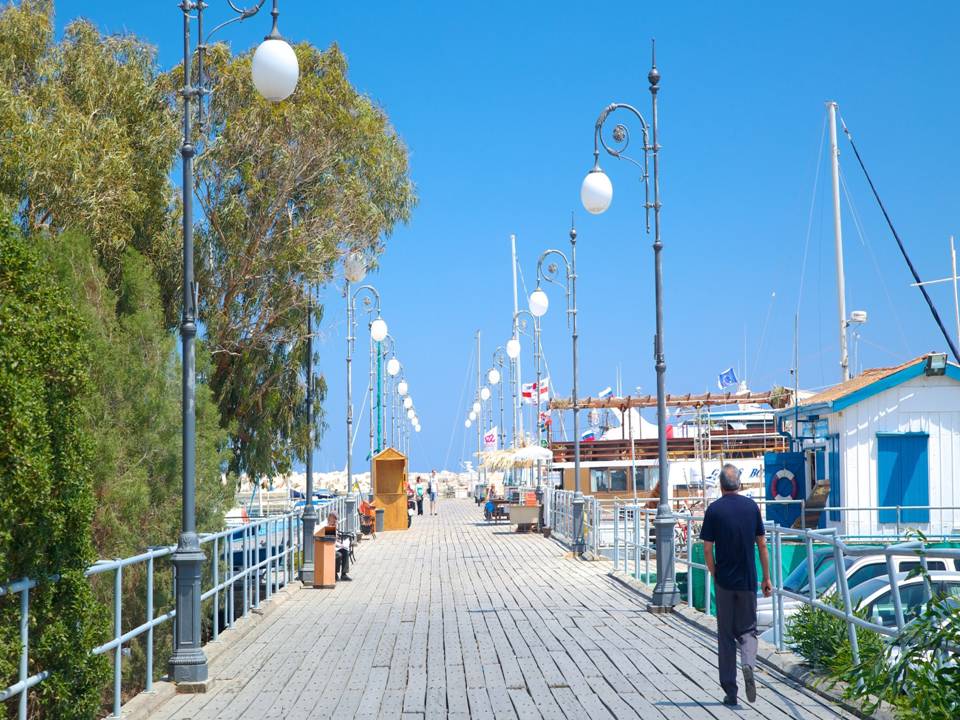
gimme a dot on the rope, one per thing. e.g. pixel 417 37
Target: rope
pixel 903 249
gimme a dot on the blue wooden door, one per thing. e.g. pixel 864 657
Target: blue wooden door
pixel 833 465
pixel 903 476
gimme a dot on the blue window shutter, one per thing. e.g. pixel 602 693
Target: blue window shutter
pixel 888 476
pixel 833 460
pixel 903 476
pixel 915 477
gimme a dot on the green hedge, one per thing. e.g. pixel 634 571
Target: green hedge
pixel 46 498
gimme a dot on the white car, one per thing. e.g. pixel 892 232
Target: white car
pixel 859 570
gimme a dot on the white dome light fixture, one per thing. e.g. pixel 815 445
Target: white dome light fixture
pixel 466 423
pixel 476 408
pixel 596 192
pixel 472 416
pixel 493 376
pixel 403 388
pixel 539 303
pixel 417 428
pixel 393 367
pixel 275 69
pixel 485 394
pixel 513 348
pixel 407 402
pixel 378 329
pixel 411 414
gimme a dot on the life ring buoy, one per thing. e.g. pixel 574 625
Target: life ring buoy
pixel 778 482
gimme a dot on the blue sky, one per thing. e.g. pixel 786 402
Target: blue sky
pixel 497 102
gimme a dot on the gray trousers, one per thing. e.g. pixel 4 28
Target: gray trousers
pixel 736 625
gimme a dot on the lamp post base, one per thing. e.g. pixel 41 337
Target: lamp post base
pixel 665 593
pixel 577 531
pixel 188 664
pixel 309 523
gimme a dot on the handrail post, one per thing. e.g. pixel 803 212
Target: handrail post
pixel 616 539
pixel 24 647
pixel 117 633
pixel 215 571
pixel 148 685
pixel 848 610
pixel 245 553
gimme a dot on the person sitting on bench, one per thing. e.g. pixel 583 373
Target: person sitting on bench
pixel 489 509
pixel 342 549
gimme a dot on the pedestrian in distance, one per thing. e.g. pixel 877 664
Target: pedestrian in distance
pixel 432 492
pixel 420 491
pixel 732 526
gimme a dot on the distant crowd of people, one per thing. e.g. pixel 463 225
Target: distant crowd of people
pixel 420 492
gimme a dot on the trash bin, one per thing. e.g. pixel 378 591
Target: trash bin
pixel 379 520
pixel 324 559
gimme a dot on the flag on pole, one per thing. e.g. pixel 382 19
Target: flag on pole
pixel 528 391
pixel 605 393
pixel 588 435
pixel 490 439
pixel 727 378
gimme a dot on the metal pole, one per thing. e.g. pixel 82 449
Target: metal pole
pixel 479 414
pixel 838 239
pixel 188 664
pixel 956 305
pixel 349 388
pixel 372 406
pixel 309 511
pixel 379 396
pixel 517 410
pixel 665 594
pixel 578 500
pixel 537 358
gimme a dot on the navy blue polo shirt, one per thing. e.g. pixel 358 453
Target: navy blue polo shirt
pixel 733 524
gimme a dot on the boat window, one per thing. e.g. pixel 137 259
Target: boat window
pixel 614 480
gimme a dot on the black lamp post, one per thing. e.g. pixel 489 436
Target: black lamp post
pixel 275 74
pixel 596 194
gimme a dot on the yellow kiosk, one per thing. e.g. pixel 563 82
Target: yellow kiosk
pixel 390 488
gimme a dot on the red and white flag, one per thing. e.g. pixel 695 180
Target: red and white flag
pixel 490 439
pixel 529 391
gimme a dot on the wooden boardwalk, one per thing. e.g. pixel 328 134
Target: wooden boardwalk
pixel 460 619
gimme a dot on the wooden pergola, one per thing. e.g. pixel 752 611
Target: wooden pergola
pixel 688 400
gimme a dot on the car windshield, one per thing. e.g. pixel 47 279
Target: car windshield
pixel 799 580
pixel 828 576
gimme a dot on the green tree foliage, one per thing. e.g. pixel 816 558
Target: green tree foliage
pixel 286 189
pixel 46 466
pixel 89 136
pixel 134 422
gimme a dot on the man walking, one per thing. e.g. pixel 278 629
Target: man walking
pixel 731 527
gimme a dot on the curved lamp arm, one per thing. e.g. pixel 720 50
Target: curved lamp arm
pixel 499 357
pixel 621 138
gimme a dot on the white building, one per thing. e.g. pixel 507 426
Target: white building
pixel 887 443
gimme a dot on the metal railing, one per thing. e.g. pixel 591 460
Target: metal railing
pixel 841 552
pixel 879 521
pixel 264 551
pixel 559 514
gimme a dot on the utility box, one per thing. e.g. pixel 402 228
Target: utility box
pixel 389 469
pixel 324 559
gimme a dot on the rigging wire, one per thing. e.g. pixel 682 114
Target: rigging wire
pixel 453 426
pixel 763 335
pixel 876 265
pixel 813 203
pixel 903 249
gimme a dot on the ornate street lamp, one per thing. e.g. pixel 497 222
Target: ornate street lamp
pixel 275 73
pixel 378 331
pixel 596 192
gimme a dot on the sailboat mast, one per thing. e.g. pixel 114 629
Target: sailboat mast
pixel 517 413
pixel 838 240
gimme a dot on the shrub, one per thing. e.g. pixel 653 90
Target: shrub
pixel 46 505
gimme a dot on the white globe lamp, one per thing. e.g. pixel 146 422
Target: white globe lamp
pixel 476 408
pixel 493 376
pixel 472 416
pixel 411 414
pixel 539 303
pixel 466 423
pixel 417 428
pixel 275 69
pixel 403 388
pixel 378 329
pixel 513 348
pixel 393 367
pixel 596 192
pixel 485 394
pixel 407 402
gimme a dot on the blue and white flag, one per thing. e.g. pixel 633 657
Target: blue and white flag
pixel 727 378
pixel 605 393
